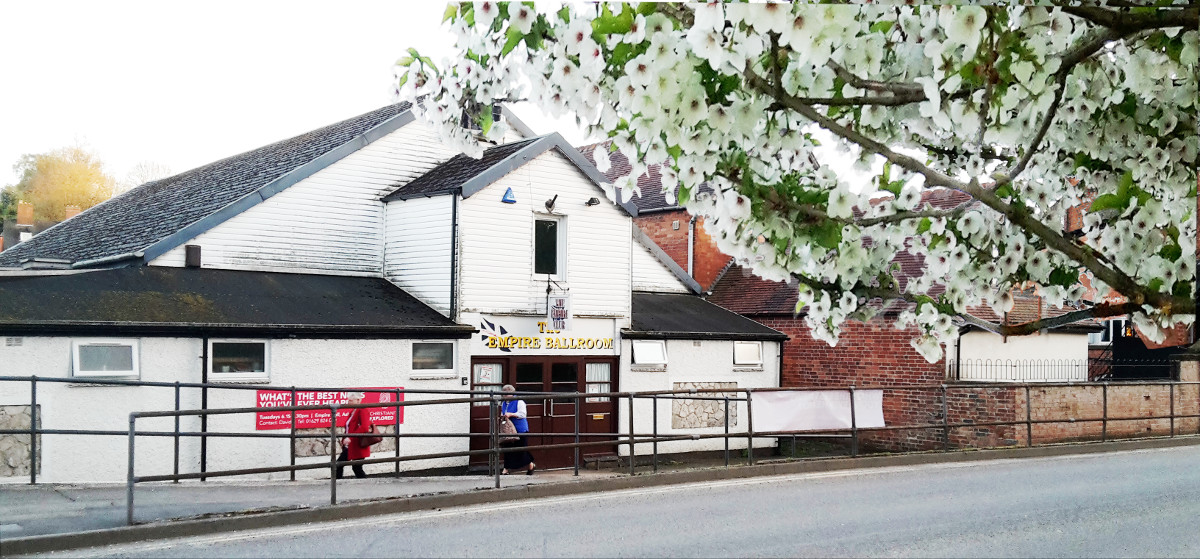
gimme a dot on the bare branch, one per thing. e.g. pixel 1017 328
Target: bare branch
pixel 872 85
pixel 1158 18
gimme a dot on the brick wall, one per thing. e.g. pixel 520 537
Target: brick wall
pixel 707 260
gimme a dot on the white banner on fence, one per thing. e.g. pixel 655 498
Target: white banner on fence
pixel 813 410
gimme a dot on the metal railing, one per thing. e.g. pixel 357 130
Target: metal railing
pixel 1017 370
pixel 941 396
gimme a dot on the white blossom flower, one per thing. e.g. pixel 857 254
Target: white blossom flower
pixel 521 17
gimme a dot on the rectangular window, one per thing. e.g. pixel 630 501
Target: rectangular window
pixel 545 246
pixel 599 380
pixel 487 376
pixel 747 353
pixel 238 360
pixel 104 358
pixel 649 352
pixel 434 355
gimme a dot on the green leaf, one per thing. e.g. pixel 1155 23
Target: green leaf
pixel 882 26
pixel 675 152
pixel 1171 252
pixel 1118 200
pixel 925 225
pixel 451 11
pixel 827 234
pixel 1064 276
pixel 513 38
pixel 1005 192
pixel 1156 285
pixel 485 119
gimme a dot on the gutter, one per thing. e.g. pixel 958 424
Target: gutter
pixel 274 331
pixel 738 336
pixel 108 259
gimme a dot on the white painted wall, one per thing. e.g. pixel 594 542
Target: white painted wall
pixel 710 361
pixel 331 222
pixel 496 243
pixel 293 362
pixel 650 274
pixel 418 248
pixel 1051 346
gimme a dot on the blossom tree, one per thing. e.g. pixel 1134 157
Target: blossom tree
pixel 1028 110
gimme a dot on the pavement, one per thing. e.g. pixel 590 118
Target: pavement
pixel 54 517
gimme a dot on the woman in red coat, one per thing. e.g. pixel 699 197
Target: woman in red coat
pixel 352 447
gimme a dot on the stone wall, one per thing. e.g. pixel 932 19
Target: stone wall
pixel 14 449
pixel 320 446
pixel 699 414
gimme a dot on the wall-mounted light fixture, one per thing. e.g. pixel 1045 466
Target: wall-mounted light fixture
pixel 593 201
pixel 550 203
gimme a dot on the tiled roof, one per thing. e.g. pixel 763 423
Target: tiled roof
pixel 451 175
pixel 151 212
pixel 670 315
pixel 164 300
pixel 740 291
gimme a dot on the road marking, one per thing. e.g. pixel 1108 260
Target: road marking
pixel 396 518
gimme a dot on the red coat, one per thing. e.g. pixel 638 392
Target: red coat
pixel 358 423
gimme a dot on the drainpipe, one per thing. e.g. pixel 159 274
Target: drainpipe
pixel 958 356
pixel 204 406
pixel 691 251
pixel 454 257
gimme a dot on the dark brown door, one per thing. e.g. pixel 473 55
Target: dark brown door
pixel 551 420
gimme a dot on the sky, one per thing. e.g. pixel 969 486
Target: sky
pixel 183 84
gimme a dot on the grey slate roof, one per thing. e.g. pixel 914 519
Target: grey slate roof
pixel 677 316
pixel 155 300
pixel 153 211
pixel 451 175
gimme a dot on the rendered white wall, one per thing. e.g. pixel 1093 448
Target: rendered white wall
pixel 710 361
pixel 418 248
pixel 986 346
pixel 294 362
pixel 330 222
pixel 496 244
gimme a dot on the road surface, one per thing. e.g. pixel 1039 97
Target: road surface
pixel 1137 503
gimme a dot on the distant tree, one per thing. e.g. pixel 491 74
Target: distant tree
pixel 53 180
pixel 8 204
pixel 143 173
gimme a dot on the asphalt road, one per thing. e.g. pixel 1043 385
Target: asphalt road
pixel 1139 503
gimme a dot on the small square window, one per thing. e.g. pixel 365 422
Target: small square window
pixel 104 358
pixel 438 355
pixel 747 353
pixel 649 352
pixel 238 360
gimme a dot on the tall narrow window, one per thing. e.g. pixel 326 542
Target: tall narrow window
pixel 545 246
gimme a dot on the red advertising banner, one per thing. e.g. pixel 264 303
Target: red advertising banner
pixel 315 419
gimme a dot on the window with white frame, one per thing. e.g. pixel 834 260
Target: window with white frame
pixel 747 353
pixel 1105 337
pixel 104 357
pixel 649 352
pixel 437 356
pixel 549 246
pixel 238 360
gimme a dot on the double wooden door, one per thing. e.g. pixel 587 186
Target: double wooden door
pixel 551 420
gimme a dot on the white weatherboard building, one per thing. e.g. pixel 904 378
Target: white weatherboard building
pixel 363 254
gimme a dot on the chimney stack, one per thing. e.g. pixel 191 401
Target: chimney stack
pixel 70 211
pixel 24 214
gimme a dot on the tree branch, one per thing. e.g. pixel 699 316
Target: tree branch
pixel 872 85
pixel 1129 22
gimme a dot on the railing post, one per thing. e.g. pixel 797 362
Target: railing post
pixel 494 437
pixel 396 432
pixel 129 474
pixel 631 443
pixel 1029 415
pixel 750 425
pixel 292 458
pixel 945 419
pixel 333 454
pixel 853 426
pixel 654 421
pixel 1104 417
pixel 1171 386
pixel 726 431
pixel 176 431
pixel 579 400
pixel 33 429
